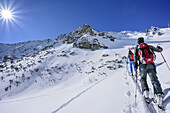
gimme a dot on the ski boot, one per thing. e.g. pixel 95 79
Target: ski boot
pixel 159 100
pixel 146 96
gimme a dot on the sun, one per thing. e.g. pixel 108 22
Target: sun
pixel 6 14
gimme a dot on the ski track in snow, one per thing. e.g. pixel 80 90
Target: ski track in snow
pixel 78 95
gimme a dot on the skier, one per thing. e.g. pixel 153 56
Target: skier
pixel 130 58
pixel 144 58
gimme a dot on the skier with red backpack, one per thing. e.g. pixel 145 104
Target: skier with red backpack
pixel 144 57
pixel 130 58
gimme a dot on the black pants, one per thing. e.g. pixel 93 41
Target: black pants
pixel 149 69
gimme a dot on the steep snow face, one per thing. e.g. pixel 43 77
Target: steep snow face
pixel 52 67
pixel 50 75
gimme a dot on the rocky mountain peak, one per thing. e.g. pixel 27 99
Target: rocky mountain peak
pixel 86 26
pixel 87 29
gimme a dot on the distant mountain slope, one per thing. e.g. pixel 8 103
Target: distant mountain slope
pixel 83 37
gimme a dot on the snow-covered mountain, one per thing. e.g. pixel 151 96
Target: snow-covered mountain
pixel 82 37
pixel 45 76
pixel 50 61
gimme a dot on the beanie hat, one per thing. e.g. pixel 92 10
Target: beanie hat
pixel 140 40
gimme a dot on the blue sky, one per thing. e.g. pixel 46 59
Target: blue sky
pixel 42 19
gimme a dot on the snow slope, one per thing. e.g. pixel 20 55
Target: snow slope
pixel 86 81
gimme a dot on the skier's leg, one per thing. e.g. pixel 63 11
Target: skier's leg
pixel 131 70
pixel 134 66
pixel 154 79
pixel 143 80
pixel 156 85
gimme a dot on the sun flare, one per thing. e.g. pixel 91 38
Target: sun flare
pixel 6 14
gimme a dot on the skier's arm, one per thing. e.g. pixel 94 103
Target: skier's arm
pixel 127 58
pixel 156 49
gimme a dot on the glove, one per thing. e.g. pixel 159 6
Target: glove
pixel 136 65
pixel 160 48
pixel 127 62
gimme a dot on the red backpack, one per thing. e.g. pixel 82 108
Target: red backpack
pixel 131 56
pixel 146 55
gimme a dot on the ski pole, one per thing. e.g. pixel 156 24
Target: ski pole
pixel 136 87
pixel 165 61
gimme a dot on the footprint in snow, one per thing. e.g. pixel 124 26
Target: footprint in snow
pixel 125 75
pixel 127 83
pixel 128 94
pixel 167 82
pixel 125 78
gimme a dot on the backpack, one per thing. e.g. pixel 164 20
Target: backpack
pixel 131 56
pixel 146 55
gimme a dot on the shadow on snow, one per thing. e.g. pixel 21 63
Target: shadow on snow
pixel 167 100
